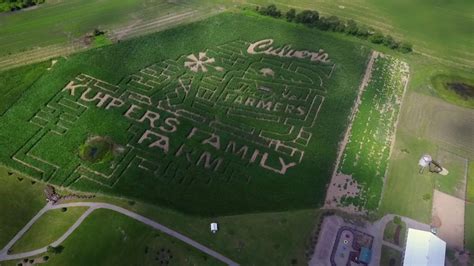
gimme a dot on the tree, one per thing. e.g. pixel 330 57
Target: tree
pixel 405 47
pixel 390 42
pixel 362 32
pixel 291 15
pixel 351 27
pixel 55 250
pixel 307 17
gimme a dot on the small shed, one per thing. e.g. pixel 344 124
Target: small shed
pixel 214 228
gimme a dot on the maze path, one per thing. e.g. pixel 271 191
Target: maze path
pixel 264 107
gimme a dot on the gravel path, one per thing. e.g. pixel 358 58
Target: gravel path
pixel 94 206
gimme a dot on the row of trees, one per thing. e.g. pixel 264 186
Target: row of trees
pixel 311 18
pixel 13 5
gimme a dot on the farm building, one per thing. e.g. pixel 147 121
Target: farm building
pixel 424 248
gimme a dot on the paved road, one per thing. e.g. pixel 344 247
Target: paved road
pixel 94 206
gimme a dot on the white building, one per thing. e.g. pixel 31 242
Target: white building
pixel 424 248
pixel 214 228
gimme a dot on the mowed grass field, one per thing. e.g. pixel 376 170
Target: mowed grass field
pixel 54 125
pixel 58 22
pixel 55 222
pixel 236 238
pixel 21 200
pixel 427 125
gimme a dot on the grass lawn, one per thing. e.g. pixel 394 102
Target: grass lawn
pixel 469 226
pixel 20 201
pixel 404 187
pixel 470 182
pixel 391 257
pixel 109 238
pixel 469 211
pixel 244 238
pixel 453 182
pixel 52 225
pixel 390 231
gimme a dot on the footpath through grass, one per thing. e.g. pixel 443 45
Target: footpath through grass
pixel 109 238
pixel 52 225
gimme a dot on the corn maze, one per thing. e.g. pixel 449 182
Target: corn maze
pixel 250 122
pixel 361 172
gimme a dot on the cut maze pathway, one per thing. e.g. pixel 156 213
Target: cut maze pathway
pixel 92 207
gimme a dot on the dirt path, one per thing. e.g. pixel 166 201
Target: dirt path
pixel 92 207
pixel 334 192
pixel 449 211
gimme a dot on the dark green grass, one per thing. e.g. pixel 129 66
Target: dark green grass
pixel 20 201
pixel 109 238
pixel 302 188
pixel 470 182
pixel 469 226
pixel 51 226
pixel 14 82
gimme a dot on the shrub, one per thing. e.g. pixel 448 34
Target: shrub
pixel 405 47
pixel 397 220
pixel 376 38
pixel 351 27
pixel 63 209
pixel 270 10
pixel 426 197
pixel 45 258
pixel 291 15
pixel 307 17
pixel 390 42
pixel 362 32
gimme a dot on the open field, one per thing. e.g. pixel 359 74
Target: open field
pixel 442 30
pixel 427 126
pixel 108 238
pixel 58 220
pixel 244 123
pixel 47 25
pixel 235 239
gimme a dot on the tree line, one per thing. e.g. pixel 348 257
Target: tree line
pixel 13 5
pixel 311 18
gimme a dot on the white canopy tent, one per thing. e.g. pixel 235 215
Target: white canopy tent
pixel 424 248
